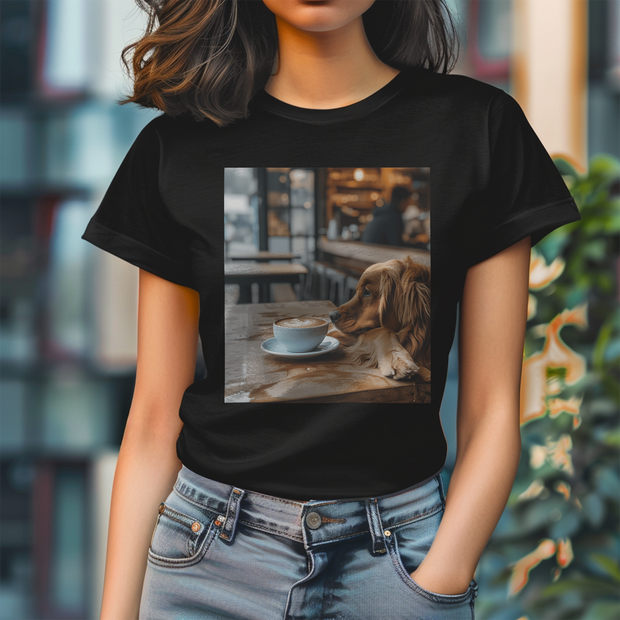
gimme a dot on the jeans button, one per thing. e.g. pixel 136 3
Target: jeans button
pixel 313 520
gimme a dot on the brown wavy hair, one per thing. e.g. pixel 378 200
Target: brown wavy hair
pixel 207 58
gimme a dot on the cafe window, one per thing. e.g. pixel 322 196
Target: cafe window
pixel 240 210
pixel 290 210
pixel 270 209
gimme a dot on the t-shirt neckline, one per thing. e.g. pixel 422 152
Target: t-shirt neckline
pixel 322 116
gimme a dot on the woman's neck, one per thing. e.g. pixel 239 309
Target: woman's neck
pixel 328 69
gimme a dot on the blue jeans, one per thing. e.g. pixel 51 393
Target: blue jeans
pixel 218 551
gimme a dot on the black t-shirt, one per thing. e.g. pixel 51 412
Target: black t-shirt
pixel 492 183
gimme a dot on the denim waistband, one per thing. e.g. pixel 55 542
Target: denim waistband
pixel 316 521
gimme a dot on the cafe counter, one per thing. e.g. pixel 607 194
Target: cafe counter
pixel 356 256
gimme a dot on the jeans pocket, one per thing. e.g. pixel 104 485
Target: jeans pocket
pixel 408 545
pixel 182 533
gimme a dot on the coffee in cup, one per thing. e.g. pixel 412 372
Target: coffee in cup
pixel 300 334
pixel 300 322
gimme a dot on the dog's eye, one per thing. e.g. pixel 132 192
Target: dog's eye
pixel 366 293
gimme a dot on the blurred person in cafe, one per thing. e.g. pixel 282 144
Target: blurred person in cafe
pixel 399 223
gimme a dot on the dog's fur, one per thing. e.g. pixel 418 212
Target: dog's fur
pixel 387 322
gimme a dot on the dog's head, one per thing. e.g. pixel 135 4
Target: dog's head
pixel 394 294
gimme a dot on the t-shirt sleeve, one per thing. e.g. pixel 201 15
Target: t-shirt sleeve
pixel 525 194
pixel 133 222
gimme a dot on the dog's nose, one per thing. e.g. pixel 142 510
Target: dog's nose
pixel 334 315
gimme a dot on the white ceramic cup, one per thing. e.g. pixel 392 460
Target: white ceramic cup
pixel 300 334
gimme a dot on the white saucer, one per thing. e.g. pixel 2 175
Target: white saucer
pixel 273 346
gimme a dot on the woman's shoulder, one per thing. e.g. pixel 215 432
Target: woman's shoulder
pixel 178 130
pixel 184 120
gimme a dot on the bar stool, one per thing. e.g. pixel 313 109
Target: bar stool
pixel 337 279
pixel 350 286
pixel 323 279
pixel 309 281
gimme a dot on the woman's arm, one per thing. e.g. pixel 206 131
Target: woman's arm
pixel 147 465
pixel 492 324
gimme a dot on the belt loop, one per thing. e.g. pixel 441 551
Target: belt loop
pixel 475 586
pixel 375 526
pixel 232 514
pixel 442 491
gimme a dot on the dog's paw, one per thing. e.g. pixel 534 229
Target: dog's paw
pixel 398 365
pixel 425 373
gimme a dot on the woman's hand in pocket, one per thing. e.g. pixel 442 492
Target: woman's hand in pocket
pixel 440 581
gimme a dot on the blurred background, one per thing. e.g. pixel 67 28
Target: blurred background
pixel 68 310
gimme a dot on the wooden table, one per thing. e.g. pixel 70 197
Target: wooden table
pixel 244 274
pixel 255 376
pixel 263 256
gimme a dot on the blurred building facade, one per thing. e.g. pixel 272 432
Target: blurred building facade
pixel 68 310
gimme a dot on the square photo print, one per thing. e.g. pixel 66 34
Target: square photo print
pixel 327 277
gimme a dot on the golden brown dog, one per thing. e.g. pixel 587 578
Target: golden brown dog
pixel 388 321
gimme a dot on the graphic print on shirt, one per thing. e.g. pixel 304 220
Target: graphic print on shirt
pixel 327 274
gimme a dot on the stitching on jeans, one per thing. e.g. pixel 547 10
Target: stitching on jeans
pixel 330 502
pixel 293 537
pixel 424 515
pixel 195 503
pixel 297 538
pixel 277 499
pixel 353 535
pixel 421 516
pixel 182 562
pixel 248 494
pixel 270 530
pixel 180 517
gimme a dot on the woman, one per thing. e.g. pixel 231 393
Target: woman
pixel 264 510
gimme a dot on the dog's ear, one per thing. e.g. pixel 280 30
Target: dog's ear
pixel 424 275
pixel 417 316
pixel 389 292
pixel 415 305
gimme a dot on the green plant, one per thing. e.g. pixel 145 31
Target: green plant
pixel 555 553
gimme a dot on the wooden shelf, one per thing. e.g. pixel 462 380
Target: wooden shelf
pixel 340 182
